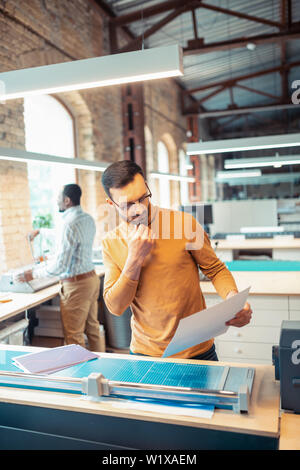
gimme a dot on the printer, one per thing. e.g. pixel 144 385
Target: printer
pixel 286 359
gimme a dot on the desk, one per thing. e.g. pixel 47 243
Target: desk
pixel 22 302
pixel 274 297
pixel 46 420
pixel 271 283
pixel 289 432
pixel 281 249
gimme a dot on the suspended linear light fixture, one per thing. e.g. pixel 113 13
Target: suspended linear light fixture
pixel 249 143
pixel 146 64
pixel 188 163
pixel 225 175
pixel 172 176
pixel 277 161
pixel 263 179
pixel 23 156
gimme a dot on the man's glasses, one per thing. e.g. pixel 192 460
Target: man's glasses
pixel 126 206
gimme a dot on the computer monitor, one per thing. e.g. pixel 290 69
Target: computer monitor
pixel 202 212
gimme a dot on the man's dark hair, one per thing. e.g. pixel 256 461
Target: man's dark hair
pixel 73 191
pixel 119 174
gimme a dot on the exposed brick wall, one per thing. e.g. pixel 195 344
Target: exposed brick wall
pixel 15 216
pixel 42 32
pixel 35 33
pixel 75 28
pixel 164 122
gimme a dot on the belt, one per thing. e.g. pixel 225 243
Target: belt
pixel 79 277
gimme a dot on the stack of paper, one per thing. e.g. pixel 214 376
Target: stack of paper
pixel 52 360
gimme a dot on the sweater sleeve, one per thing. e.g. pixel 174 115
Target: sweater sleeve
pixel 211 265
pixel 119 290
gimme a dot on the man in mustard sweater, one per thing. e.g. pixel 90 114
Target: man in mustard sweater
pixel 151 262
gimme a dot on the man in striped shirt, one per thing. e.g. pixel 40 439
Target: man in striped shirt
pixel 73 264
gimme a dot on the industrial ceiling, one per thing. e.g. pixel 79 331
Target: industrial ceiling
pixel 241 58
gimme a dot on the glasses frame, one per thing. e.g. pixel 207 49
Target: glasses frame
pixel 134 203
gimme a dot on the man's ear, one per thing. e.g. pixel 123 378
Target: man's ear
pixel 67 201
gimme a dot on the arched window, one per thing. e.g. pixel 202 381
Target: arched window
pixel 163 167
pixel 184 186
pixel 49 129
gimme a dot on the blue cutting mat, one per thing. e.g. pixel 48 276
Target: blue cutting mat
pixel 135 371
pixel 149 372
pixel 127 370
pixel 146 372
pixel 6 362
pixel 263 265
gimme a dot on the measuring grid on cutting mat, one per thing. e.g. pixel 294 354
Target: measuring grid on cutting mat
pixel 151 372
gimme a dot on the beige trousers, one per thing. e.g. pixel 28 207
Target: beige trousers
pixel 79 311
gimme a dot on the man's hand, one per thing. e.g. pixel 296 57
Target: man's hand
pixel 31 235
pixel 26 276
pixel 243 317
pixel 140 243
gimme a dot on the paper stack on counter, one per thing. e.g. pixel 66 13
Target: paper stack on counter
pixel 52 360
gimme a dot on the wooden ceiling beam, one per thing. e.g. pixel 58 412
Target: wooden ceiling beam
pixel 259 92
pixel 217 113
pixel 137 42
pixel 219 128
pixel 241 15
pixel 153 11
pixel 233 81
pixel 109 12
pixel 216 92
pixel 236 43
pixel 171 4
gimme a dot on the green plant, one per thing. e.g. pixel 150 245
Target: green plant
pixel 42 221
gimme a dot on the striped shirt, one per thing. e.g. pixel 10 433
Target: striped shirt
pixel 75 248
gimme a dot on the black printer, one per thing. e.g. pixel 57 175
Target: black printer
pixel 286 359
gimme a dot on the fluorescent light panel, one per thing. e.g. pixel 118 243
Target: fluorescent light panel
pixel 188 163
pixel 263 179
pixel 224 175
pixel 102 71
pixel 171 176
pixel 23 156
pixel 249 143
pixel 262 162
pixel 261 229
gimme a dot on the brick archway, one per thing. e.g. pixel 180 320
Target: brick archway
pixel 89 181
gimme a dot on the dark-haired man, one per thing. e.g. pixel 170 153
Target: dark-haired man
pixel 73 264
pixel 151 264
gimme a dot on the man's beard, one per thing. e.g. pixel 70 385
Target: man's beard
pixel 139 219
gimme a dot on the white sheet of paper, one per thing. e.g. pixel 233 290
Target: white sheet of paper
pixel 51 360
pixel 200 412
pixel 206 324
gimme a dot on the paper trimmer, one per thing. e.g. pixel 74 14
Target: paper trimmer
pixel 227 387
